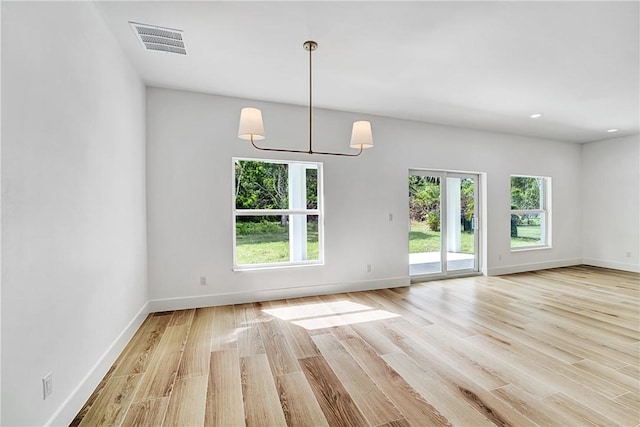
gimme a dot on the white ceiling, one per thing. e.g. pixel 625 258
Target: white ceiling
pixel 483 65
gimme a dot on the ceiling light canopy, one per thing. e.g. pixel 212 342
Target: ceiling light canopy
pixel 613 130
pixel 252 127
pixel 536 115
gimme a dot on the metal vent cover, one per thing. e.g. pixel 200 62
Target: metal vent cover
pixel 160 39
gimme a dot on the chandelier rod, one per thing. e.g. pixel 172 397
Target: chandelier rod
pixel 310 46
pixel 326 153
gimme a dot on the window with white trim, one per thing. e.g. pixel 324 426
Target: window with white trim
pixel 277 213
pixel 530 212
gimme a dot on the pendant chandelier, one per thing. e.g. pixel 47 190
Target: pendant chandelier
pixel 252 128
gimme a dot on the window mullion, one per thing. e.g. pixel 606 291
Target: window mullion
pixel 261 212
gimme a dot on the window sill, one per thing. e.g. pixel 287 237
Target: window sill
pixel 530 248
pixel 261 267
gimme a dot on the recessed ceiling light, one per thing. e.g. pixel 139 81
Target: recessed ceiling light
pixel 536 115
pixel 613 130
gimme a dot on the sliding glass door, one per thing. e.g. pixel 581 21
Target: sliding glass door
pixel 443 232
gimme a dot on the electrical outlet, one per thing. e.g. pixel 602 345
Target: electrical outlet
pixel 390 217
pixel 368 268
pixel 628 254
pixel 499 257
pixel 47 385
pixel 203 280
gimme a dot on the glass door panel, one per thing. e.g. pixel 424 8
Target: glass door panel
pixel 461 217
pixel 425 254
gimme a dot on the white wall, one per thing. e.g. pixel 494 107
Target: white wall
pixel 191 139
pixel 611 207
pixel 73 195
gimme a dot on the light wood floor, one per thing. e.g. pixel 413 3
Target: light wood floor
pixel 554 347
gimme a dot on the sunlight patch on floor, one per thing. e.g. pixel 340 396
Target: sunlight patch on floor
pixel 329 314
pixel 345 319
pixel 313 310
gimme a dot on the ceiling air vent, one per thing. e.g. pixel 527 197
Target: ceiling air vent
pixel 158 38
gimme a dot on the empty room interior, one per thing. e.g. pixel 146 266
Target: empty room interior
pixel 320 213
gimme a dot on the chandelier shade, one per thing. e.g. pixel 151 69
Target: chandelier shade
pixel 361 135
pixel 251 125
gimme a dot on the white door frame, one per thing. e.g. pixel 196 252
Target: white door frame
pixel 444 229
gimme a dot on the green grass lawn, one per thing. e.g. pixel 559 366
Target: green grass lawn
pixel 528 235
pixel 421 239
pixel 271 246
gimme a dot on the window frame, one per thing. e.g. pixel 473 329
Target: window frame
pixel 318 211
pixel 544 211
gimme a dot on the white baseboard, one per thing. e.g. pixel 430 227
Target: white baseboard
pixel 497 271
pixel 634 268
pixel 273 294
pixel 72 405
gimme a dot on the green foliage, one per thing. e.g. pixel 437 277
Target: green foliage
pixel 312 188
pixel 261 185
pixel 424 200
pixel 262 227
pixel 424 196
pixel 433 220
pixel 265 185
pixel 525 192
pixel 467 198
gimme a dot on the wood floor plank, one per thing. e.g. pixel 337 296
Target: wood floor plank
pixel 224 392
pixel 157 381
pixel 281 358
pixel 371 401
pixel 535 409
pixel 566 341
pixel 378 299
pixel 223 333
pixel 491 328
pixel 299 404
pixel 297 337
pixel 337 405
pixel 148 413
pixel 462 387
pixel 559 376
pixel 141 348
pixel 630 401
pixel 610 375
pixel 613 411
pixel 182 317
pixel 111 406
pixel 249 341
pixel 431 388
pixel 396 423
pixel 196 355
pixel 260 396
pixel 453 349
pixel 413 406
pixel 92 399
pixel 373 335
pixel 578 413
pixel 187 403
pixel 632 371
